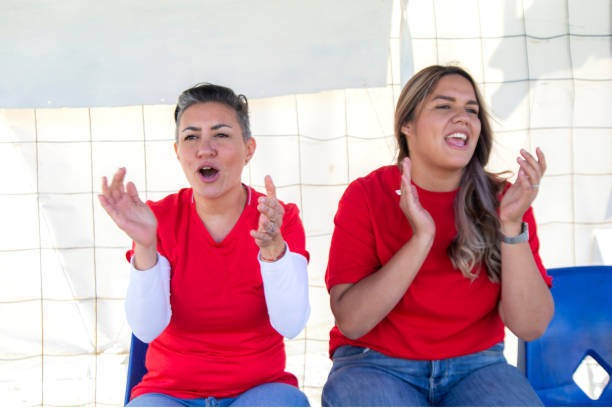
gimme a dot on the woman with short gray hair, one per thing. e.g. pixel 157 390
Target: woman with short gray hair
pixel 218 270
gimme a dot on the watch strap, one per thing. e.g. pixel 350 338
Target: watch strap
pixel 522 237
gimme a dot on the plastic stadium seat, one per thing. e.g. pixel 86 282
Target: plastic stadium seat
pixel 136 366
pixel 581 327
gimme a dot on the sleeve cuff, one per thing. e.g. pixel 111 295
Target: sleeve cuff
pixel 284 256
pixel 146 278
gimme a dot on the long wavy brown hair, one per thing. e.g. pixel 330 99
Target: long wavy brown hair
pixel 478 227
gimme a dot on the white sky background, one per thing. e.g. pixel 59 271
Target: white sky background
pixel 545 68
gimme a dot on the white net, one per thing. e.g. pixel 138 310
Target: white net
pixel 545 68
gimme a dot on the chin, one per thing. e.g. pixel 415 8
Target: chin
pixel 455 165
pixel 208 192
pixel 460 162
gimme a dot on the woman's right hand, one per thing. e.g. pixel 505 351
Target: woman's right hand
pixel 130 214
pixel 359 307
pixel 419 218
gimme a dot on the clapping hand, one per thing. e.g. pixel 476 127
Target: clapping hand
pixel 268 235
pixel 521 194
pixel 420 220
pixel 126 209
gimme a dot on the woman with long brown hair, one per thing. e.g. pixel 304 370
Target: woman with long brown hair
pixel 431 258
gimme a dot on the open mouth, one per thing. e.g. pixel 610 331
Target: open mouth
pixel 208 172
pixel 456 139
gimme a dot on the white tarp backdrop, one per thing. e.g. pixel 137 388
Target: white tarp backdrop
pixel 89 53
pixel 545 67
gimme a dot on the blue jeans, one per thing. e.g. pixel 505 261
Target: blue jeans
pixel 364 377
pixel 265 395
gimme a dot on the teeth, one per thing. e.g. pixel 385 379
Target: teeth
pixel 457 136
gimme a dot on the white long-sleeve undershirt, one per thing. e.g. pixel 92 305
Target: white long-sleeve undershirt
pixel 148 304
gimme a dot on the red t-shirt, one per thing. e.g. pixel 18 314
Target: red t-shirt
pixel 442 314
pixel 219 341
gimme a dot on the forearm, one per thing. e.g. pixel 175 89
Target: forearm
pixel 147 303
pixel 526 304
pixel 359 307
pixel 285 284
pixel 145 257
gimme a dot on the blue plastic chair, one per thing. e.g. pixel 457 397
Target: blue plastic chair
pixel 136 366
pixel 582 326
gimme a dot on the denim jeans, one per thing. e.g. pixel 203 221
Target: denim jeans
pixel 265 395
pixel 364 377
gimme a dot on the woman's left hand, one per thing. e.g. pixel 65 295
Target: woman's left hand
pixel 268 235
pixel 521 194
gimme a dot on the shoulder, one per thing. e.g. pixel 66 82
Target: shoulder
pixel 378 185
pixel 172 203
pixel 383 177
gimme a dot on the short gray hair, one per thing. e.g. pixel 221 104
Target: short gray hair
pixel 205 92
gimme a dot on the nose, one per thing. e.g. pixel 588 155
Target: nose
pixel 461 116
pixel 207 148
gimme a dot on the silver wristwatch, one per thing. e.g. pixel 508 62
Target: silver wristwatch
pixel 522 237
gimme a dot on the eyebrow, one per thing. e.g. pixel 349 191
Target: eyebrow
pixel 219 126
pixel 197 129
pixel 450 98
pixel 188 128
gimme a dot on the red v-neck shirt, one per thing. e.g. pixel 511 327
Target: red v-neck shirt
pixel 442 314
pixel 219 341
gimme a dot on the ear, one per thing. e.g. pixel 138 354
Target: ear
pixel 176 151
pixel 251 146
pixel 406 129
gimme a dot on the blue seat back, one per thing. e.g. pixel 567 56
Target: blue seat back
pixel 582 326
pixel 136 366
